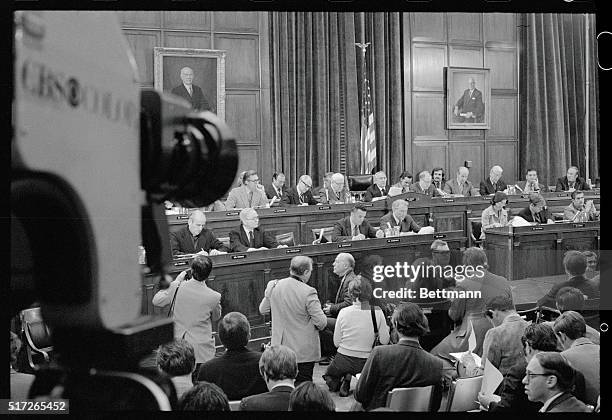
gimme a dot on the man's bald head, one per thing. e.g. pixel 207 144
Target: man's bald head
pixel 495 173
pixel 196 222
pixel 337 182
pixel 462 174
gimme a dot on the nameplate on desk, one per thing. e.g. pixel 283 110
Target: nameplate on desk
pixel 524 195
pixel 239 257
pixel 392 241
pixel 410 199
pixel 182 217
pixel 345 245
pixel 563 195
pixel 578 225
pixel 439 235
pixel 537 228
pixel 449 200
pixel 486 197
pixel 280 211
pixel 293 251
pixel 180 263
pixel 232 213
pixel 324 207
pixel 367 204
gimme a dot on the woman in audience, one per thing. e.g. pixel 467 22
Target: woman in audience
pixel 204 396
pixel 496 214
pixel 309 397
pixel 354 336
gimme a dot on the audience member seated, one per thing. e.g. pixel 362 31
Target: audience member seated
pixel 403 185
pixel 464 311
pixel 536 212
pixel 578 210
pixel 592 269
pixel 496 214
pixel 461 186
pixel 354 336
pixel 494 182
pixel 195 238
pixel 549 379
pixel 438 178
pixel 583 355
pixel 502 345
pixel 20 382
pixel 278 367
pixel 337 193
pixel 236 371
pixel 354 227
pixel 276 190
pixel 297 315
pixel 400 365
pixel 177 360
pixel 531 183
pixel 300 195
pixel 571 181
pixel 249 236
pixel 434 278
pixel 378 188
pixel 572 299
pixel 204 396
pixel 309 397
pixel 250 194
pixel 574 263
pixel 398 216
pixel 537 338
pixel 424 186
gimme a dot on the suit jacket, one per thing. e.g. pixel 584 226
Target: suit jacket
pixel 471 103
pixel 486 186
pixel 236 372
pixel 563 184
pixel 373 191
pixel 297 317
pixel 404 364
pixel 467 189
pixel 502 344
pixel 406 225
pixel 523 184
pixel 197 100
pixel 293 198
pixel 196 307
pixel 181 242
pixel 271 192
pixel 275 400
pixel 584 357
pixel 431 191
pixel 541 217
pixel 512 393
pixel 328 196
pixel 342 299
pixel 238 198
pixel 567 403
pixel 239 241
pixel 586 286
pixel 342 230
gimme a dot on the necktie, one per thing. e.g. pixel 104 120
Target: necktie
pixel 250 198
pixel 195 243
pixel 382 191
pixel 355 231
pixel 571 184
pixel 301 198
pixel 251 239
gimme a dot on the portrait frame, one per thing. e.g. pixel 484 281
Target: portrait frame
pixel 204 62
pixel 475 116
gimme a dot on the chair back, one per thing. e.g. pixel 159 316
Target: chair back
pixel 410 399
pixel 463 394
pixel 286 239
pixel 234 405
pixel 327 233
pixel 37 336
pixel 360 182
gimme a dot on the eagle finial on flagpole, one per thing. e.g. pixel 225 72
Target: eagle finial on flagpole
pixel 363 46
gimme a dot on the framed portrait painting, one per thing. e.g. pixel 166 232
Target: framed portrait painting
pixel 197 75
pixel 468 98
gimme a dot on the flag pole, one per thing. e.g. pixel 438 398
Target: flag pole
pixel 362 110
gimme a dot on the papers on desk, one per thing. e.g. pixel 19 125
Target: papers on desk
pixel 379 198
pixel 518 221
pixel 491 379
pixel 426 230
pixel 394 191
pixel 471 347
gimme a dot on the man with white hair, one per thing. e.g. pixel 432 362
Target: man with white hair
pixel 337 193
pixel 249 236
pixel 424 186
pixel 470 107
pixel 192 93
pixel 301 194
pixel 494 182
pixel 195 238
pixel 461 186
pixel 378 189
pixel 398 216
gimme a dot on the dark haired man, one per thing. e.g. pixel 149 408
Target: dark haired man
pixel 277 187
pixel 177 360
pixel 536 212
pixel 354 227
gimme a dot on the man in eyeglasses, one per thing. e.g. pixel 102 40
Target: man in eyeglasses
pixel 250 195
pixel 301 194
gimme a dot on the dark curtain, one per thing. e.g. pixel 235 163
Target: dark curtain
pixel 558 96
pixel 315 82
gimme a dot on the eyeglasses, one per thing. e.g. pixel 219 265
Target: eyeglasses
pixel 309 186
pixel 253 180
pixel 528 375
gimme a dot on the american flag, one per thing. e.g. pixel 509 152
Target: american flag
pixel 368 132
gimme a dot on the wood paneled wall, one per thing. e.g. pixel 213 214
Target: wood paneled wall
pixel 244 36
pixel 432 41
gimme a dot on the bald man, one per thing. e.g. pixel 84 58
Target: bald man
pixel 301 194
pixel 460 185
pixel 378 189
pixel 195 238
pixel 249 236
pixel 398 216
pixel 337 193
pixel 470 107
pixel 494 182
pixel 191 92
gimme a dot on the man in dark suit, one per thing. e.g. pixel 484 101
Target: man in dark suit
pixel 400 365
pixel 571 182
pixel 536 212
pixel 249 236
pixel 378 188
pixel 355 227
pixel 195 238
pixel 549 379
pixel 531 183
pixel 494 182
pixel 398 216
pixel 192 93
pixel 278 367
pixel 277 187
pixel 300 195
pixel 237 370
pixel 470 107
pixel 574 263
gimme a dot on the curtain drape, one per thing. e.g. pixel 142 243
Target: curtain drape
pixel 557 103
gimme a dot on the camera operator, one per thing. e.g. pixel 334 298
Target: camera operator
pixel 194 307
